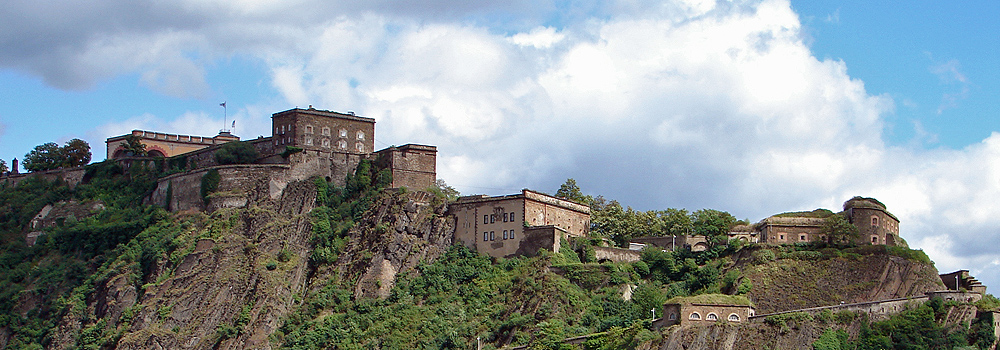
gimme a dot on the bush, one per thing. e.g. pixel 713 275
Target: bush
pixel 236 152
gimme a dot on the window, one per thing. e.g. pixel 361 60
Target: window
pixel 711 317
pixel 672 317
pixel 342 144
pixel 309 129
pixel 326 143
pixel 782 237
pixel 694 316
pixel 486 219
pixel 511 234
pixel 802 237
pixel 309 141
pixel 276 130
pixel 486 236
pixel 492 238
pixel 343 132
pixel 493 218
pixel 874 221
pixel 734 317
pixel 504 217
pixel 282 129
pixel 504 234
pixel 360 147
pixel 511 217
pixel 361 135
pixel 874 239
pixel 326 131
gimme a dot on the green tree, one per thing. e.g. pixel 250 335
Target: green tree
pixel 3 166
pixel 134 147
pixel 449 192
pixel 236 152
pixel 713 224
pixel 46 156
pixel 839 229
pixel 571 192
pixel 76 153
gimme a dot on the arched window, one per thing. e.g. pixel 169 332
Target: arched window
pixel 694 316
pixel 360 146
pixel 734 317
pixel 326 131
pixel 874 220
pixel 342 144
pixel 309 129
pixel 343 132
pixel 326 143
pixel 874 239
pixel 309 140
pixel 672 317
pixel 361 135
pixel 712 317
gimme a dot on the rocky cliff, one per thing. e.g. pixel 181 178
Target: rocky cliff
pixel 234 274
pixel 785 279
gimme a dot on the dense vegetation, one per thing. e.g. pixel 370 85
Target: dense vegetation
pixel 41 283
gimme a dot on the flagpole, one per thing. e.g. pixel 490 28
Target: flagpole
pixel 225 115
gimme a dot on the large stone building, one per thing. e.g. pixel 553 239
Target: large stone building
pixel 334 143
pixel 875 225
pixel 517 224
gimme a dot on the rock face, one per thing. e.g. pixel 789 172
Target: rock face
pixel 800 281
pixel 405 230
pixel 236 278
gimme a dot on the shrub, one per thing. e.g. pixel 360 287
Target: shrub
pixel 236 152
pixel 209 183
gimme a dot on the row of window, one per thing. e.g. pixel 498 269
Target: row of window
pixel 489 219
pixel 325 131
pixel 490 235
pixel 710 317
pixel 340 144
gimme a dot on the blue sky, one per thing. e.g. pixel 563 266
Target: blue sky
pixel 754 107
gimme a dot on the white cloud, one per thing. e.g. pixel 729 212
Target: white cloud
pixel 540 38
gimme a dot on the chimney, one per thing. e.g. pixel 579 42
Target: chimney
pixel 13 166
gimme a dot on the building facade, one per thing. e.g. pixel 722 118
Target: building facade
pixel 160 144
pixel 788 230
pixel 412 166
pixel 517 224
pixel 875 224
pixel 702 309
pixel 324 131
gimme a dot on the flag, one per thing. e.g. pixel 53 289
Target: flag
pixel 234 124
pixel 223 105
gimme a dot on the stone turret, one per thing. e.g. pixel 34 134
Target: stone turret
pixel 875 224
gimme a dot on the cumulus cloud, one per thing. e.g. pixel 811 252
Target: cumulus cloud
pixel 658 104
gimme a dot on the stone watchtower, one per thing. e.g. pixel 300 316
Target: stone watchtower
pixel 875 224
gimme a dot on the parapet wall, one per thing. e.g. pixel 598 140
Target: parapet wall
pixel 238 184
pixel 71 176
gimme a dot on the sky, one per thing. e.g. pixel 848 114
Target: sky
pixel 753 107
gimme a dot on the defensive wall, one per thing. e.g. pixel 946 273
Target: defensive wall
pixel 616 254
pixel 883 309
pixel 71 176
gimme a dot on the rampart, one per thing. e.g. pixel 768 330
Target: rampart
pixel 71 176
pixel 616 254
